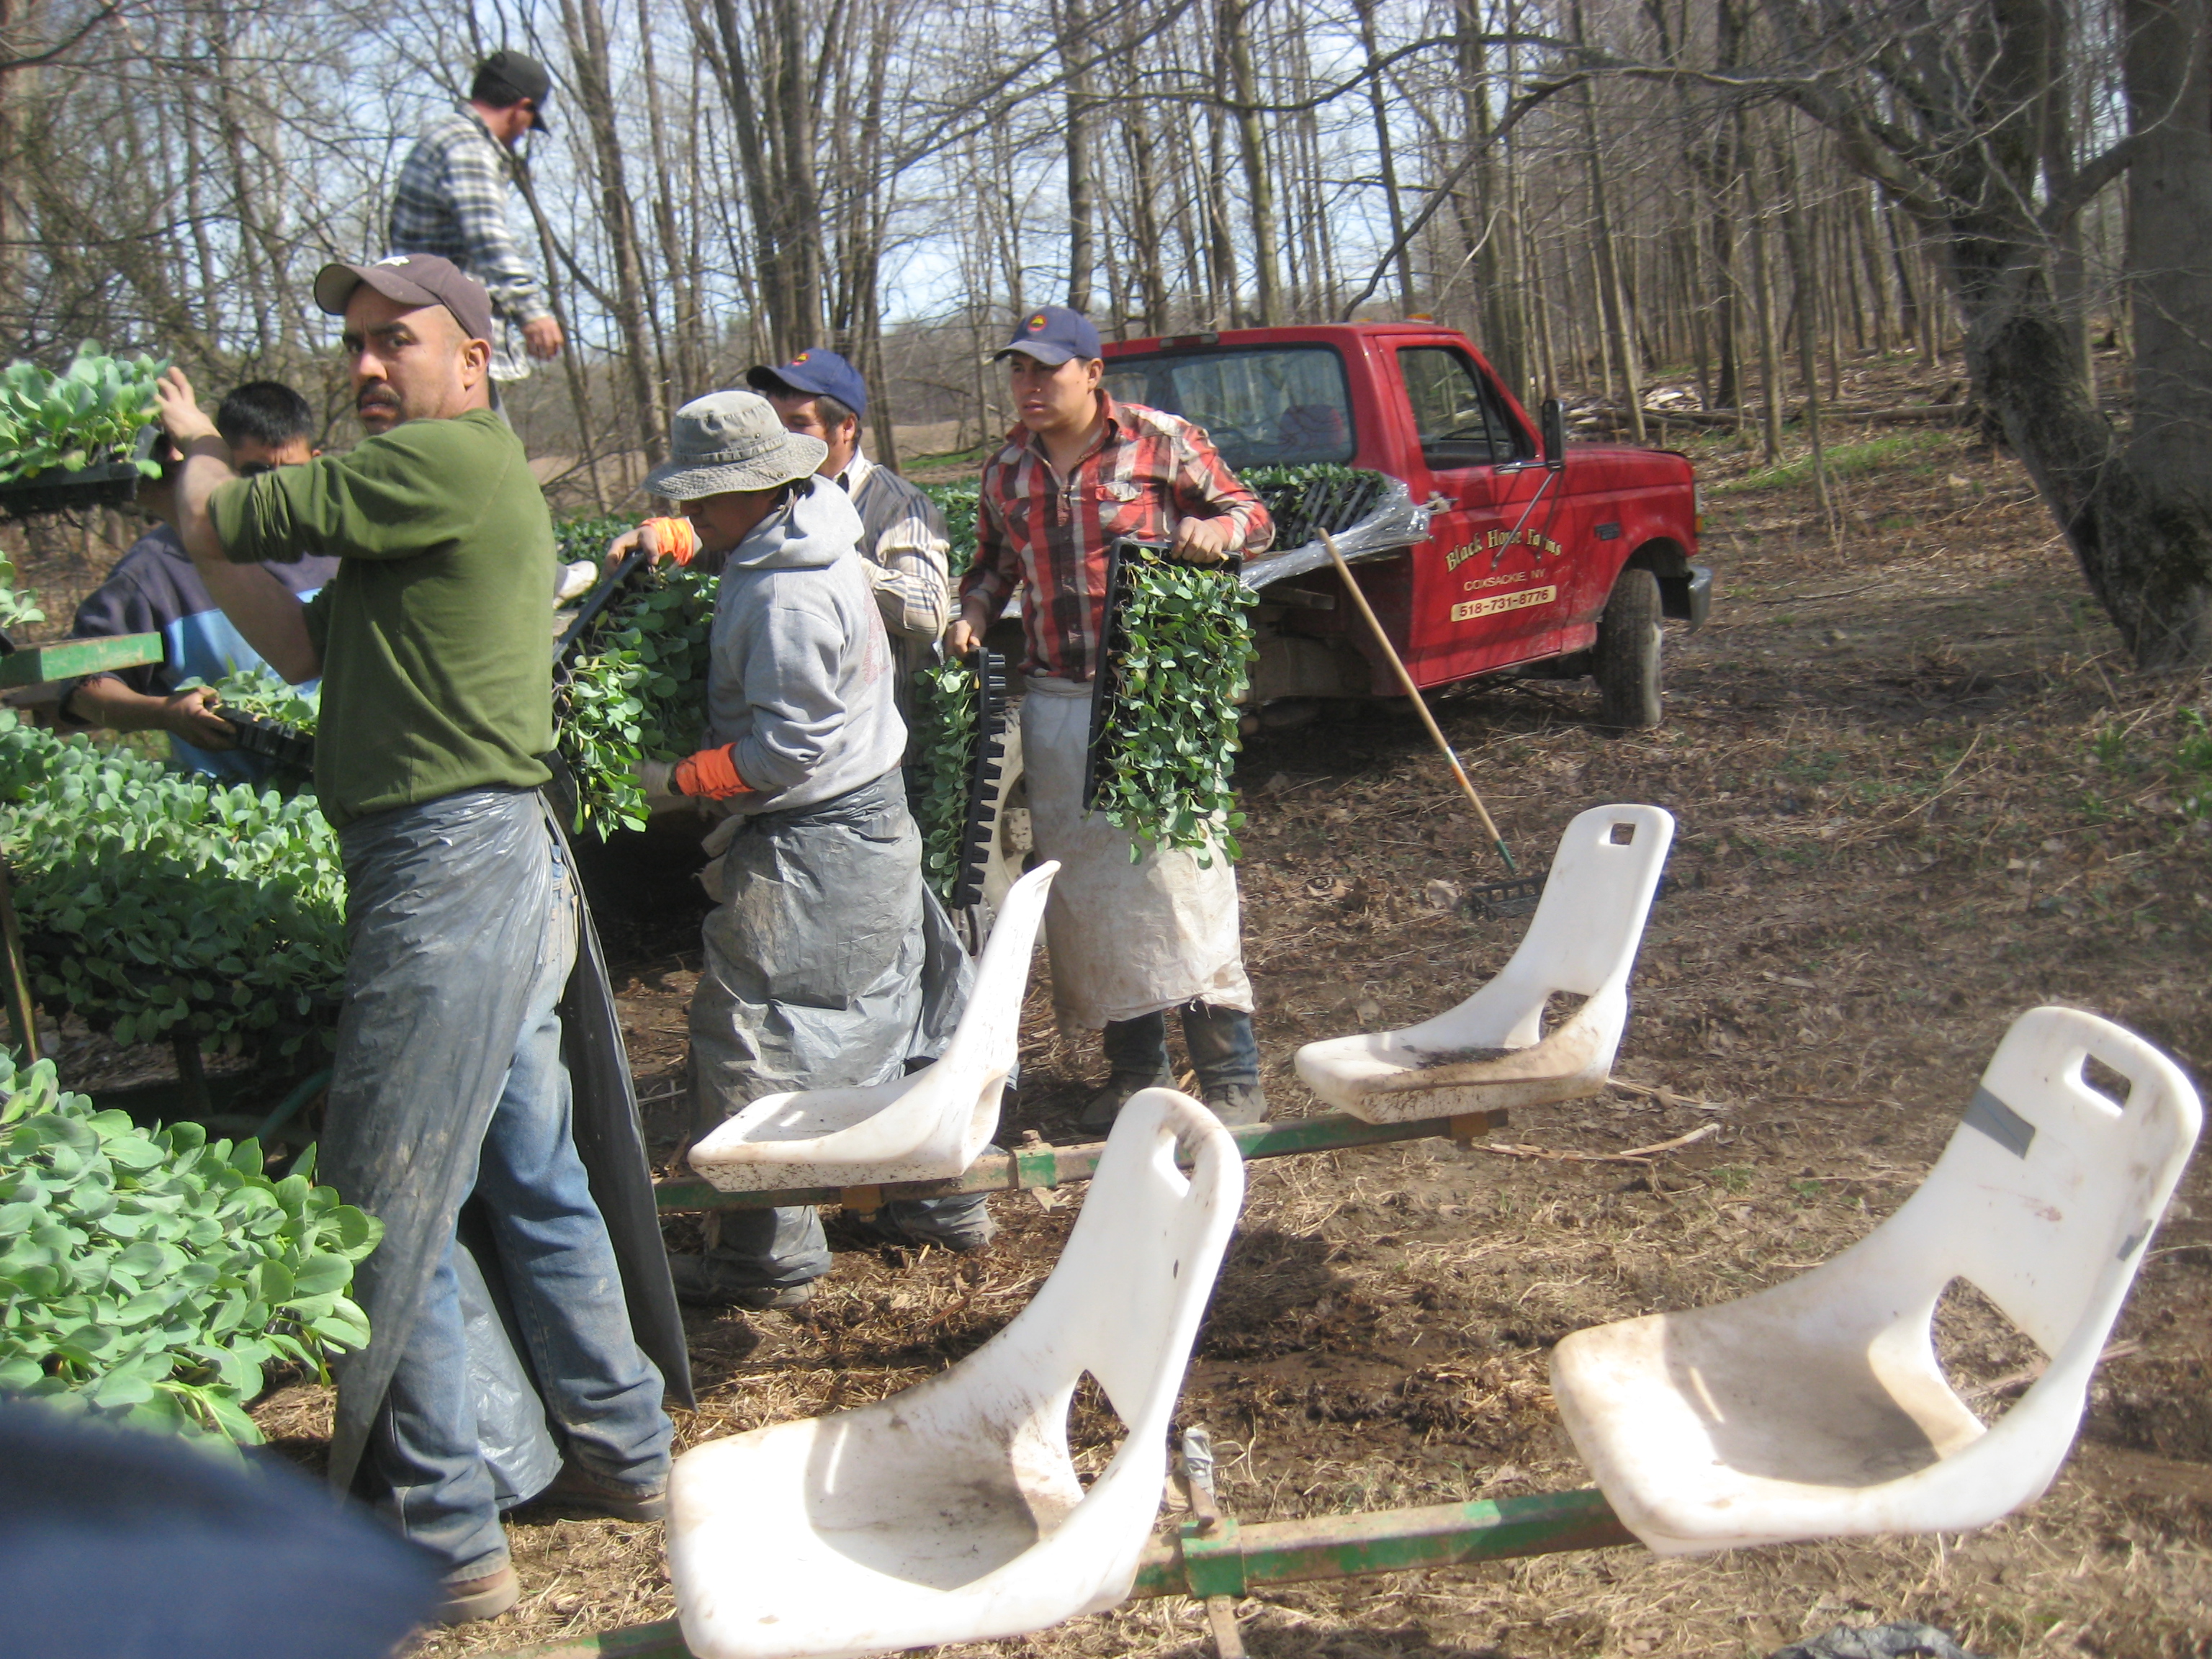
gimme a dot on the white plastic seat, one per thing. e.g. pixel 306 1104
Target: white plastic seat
pixel 928 1126
pixel 950 1512
pixel 1493 1051
pixel 1817 1409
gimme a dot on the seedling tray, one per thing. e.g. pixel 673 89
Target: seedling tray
pixel 287 745
pixel 115 484
pixel 1122 559
pixel 979 830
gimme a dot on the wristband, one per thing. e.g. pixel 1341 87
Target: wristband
pixel 711 774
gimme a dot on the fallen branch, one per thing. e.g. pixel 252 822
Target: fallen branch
pixel 1640 1156
pixel 1663 1095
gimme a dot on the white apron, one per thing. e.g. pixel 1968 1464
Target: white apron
pixel 1124 939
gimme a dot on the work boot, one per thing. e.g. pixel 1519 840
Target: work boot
pixel 486 1596
pixel 961 1222
pixel 700 1285
pixel 1137 1050
pixel 1225 1054
pixel 1106 1105
pixel 579 1488
pixel 1236 1103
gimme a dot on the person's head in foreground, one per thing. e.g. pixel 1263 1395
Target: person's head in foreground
pixel 417 337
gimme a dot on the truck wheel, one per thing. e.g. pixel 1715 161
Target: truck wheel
pixel 1625 662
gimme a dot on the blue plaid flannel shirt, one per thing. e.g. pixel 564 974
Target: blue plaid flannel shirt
pixel 452 201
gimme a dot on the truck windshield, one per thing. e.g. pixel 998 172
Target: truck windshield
pixel 1268 406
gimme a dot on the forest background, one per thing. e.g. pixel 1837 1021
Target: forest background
pixel 1689 210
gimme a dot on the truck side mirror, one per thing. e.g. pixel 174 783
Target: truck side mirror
pixel 1551 419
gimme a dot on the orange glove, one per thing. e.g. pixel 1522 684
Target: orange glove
pixel 676 537
pixel 711 774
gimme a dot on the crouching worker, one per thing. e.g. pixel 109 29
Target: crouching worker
pixel 814 955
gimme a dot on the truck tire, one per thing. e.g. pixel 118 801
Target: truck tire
pixel 1625 662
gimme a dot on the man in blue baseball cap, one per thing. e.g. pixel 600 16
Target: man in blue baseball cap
pixel 1132 933
pixel 1053 335
pixel 903 538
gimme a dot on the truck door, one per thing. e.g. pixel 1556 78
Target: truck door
pixel 1483 596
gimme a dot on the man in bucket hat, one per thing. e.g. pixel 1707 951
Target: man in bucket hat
pixel 813 975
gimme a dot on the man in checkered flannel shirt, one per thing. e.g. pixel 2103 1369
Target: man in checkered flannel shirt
pixel 1129 938
pixel 452 202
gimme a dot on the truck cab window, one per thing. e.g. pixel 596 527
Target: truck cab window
pixel 1265 406
pixel 1459 419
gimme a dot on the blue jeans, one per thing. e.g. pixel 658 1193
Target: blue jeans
pixel 601 1394
pixel 1222 1048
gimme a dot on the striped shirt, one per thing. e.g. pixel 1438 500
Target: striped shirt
pixel 452 201
pixel 1034 529
pixel 909 554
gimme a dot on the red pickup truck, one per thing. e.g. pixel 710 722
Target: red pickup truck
pixel 1523 554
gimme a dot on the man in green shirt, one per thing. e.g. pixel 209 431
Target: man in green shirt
pixel 433 648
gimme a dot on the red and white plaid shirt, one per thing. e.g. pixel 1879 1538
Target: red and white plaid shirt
pixel 1148 471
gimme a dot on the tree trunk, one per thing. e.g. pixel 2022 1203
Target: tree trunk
pixel 1233 17
pixel 1612 298
pixel 587 50
pixel 1381 112
pixel 1082 211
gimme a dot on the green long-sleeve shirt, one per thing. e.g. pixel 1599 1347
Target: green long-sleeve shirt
pixel 437 661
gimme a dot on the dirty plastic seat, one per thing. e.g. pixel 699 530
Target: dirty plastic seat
pixel 928 1126
pixel 1493 1051
pixel 1817 1409
pixel 950 1512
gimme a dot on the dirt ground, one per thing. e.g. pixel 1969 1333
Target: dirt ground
pixel 1918 792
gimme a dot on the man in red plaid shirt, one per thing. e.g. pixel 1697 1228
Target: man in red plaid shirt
pixel 1127 940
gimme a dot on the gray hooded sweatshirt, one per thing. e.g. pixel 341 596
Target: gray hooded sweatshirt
pixel 800 674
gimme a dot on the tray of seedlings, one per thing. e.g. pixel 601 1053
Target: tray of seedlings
pixel 953 782
pixel 79 440
pixel 1173 667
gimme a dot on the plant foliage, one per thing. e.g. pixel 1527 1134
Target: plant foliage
pixel 942 758
pixel 636 690
pixel 150 1275
pixel 956 501
pixel 261 691
pixel 1179 664
pixel 159 903
pixel 1305 501
pixel 17 610
pixel 87 414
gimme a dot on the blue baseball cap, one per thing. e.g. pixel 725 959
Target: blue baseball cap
pixel 817 372
pixel 1053 334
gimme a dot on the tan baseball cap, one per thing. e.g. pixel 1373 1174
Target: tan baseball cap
pixel 417 279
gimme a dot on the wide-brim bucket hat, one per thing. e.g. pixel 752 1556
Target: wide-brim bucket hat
pixel 729 440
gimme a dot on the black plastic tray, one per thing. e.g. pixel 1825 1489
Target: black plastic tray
pixel 287 745
pixel 979 829
pixel 115 484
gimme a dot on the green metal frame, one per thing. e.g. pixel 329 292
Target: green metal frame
pixel 1056 1166
pixel 1230 1560
pixel 68 659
